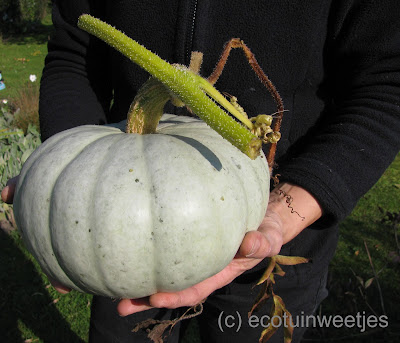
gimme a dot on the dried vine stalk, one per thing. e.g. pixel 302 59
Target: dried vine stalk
pixel 235 43
pixel 156 328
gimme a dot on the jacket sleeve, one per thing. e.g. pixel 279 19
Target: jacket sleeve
pixel 359 135
pixel 75 86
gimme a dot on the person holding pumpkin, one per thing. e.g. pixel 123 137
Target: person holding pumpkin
pixel 336 65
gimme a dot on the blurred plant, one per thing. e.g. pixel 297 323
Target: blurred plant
pixel 33 10
pixel 393 219
pixel 25 105
pixel 15 146
pixel 20 16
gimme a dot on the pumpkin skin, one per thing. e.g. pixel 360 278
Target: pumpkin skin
pixel 129 215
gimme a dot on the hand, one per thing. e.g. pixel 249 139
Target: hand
pixel 280 225
pixel 7 195
pixel 256 245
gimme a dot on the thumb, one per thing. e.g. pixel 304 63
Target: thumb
pixel 7 193
pixel 266 241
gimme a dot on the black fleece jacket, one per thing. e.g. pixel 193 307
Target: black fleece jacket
pixel 335 63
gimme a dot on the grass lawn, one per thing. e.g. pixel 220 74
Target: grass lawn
pixel 364 274
pixel 22 56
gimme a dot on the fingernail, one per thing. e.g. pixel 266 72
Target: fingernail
pixel 254 248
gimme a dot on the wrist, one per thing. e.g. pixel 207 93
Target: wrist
pixel 296 207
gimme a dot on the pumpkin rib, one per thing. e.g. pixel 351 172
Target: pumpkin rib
pixel 131 145
pixel 162 236
pixel 151 207
pixel 100 274
pixel 227 159
pixel 72 168
pixel 256 178
pixel 137 144
pixel 52 145
pixel 101 134
pixel 194 150
pixel 121 137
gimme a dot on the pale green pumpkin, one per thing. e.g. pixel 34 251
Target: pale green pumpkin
pixel 128 215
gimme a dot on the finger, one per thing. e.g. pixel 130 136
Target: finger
pixel 7 193
pixel 130 306
pixel 195 294
pixel 59 287
pixel 192 295
pixel 62 289
pixel 188 297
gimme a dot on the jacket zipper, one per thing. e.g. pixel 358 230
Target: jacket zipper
pixel 191 27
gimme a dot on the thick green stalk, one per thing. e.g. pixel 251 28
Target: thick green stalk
pixel 147 108
pixel 218 97
pixel 180 81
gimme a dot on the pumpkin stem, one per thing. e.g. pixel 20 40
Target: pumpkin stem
pixel 147 108
pixel 181 83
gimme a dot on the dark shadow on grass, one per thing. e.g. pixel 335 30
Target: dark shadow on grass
pixel 24 299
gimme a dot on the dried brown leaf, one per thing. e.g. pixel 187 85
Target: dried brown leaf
pixel 145 324
pixel 368 282
pixel 264 294
pixel 274 323
pixel 156 328
pixel 279 302
pixel 279 306
pixel 279 316
pixel 270 329
pixel 360 280
pixel 267 271
pixel 156 334
pixel 288 332
pixel 286 319
pixel 278 270
pixel 272 278
pixel 290 260
pixel 267 333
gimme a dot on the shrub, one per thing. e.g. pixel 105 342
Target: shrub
pixel 33 10
pixel 18 16
pixel 15 146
